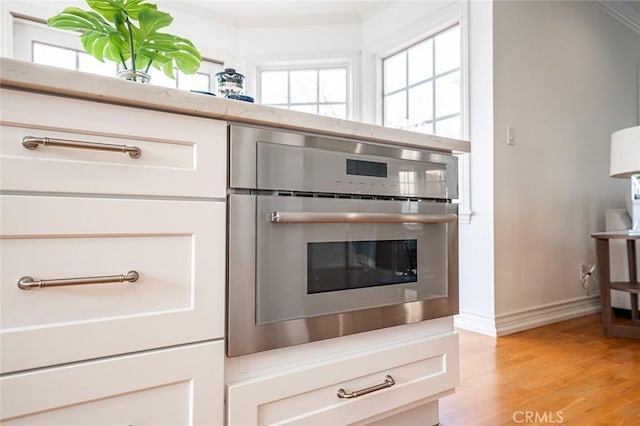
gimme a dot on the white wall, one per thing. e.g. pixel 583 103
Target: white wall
pixel 565 75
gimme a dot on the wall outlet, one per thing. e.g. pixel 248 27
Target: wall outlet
pixel 587 276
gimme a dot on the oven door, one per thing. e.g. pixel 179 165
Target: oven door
pixel 307 268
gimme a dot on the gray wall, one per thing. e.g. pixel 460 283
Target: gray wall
pixel 566 76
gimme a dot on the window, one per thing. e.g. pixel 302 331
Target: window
pixel 38 43
pixel 322 91
pixel 63 57
pixel 71 59
pixel 421 86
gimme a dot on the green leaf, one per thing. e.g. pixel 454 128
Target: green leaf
pixel 187 58
pixel 156 57
pixel 167 68
pixel 152 20
pixel 121 26
pixel 76 19
pixel 112 8
pixel 98 38
pixel 118 48
pixel 107 8
pixel 109 31
pixel 180 50
pixel 134 7
pixel 94 43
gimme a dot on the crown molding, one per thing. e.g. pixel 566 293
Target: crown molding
pixel 622 12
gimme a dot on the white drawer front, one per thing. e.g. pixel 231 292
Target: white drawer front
pixel 181 155
pixel 178 386
pixel 421 369
pixel 177 248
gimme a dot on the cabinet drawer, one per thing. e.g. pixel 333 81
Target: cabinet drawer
pixel 422 371
pixel 180 155
pixel 178 386
pixel 176 247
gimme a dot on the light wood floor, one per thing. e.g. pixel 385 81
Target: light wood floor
pixel 566 373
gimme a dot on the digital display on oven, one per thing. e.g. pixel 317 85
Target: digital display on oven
pixel 366 168
pixel 346 265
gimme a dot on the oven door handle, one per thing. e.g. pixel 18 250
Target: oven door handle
pixel 351 217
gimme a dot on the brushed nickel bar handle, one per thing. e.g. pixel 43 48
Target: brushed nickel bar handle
pixel 349 217
pixel 32 142
pixel 388 382
pixel 27 283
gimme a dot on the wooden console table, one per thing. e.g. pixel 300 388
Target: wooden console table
pixel 613 328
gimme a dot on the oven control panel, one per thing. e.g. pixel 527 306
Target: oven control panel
pixel 294 168
pixel 278 160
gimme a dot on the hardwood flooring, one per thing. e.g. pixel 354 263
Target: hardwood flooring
pixel 566 373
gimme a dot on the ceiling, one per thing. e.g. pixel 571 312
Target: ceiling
pixel 277 12
pixel 252 13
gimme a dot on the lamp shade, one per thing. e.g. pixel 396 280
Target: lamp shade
pixel 625 152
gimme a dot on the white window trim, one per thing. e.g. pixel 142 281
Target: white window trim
pixel 292 63
pixel 318 102
pixel 435 77
pixel 465 212
pixel 456 13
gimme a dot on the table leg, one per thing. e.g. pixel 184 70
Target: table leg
pixel 602 259
pixel 633 277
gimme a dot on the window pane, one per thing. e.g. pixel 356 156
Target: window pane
pixel 421 104
pixel 315 90
pixel 158 78
pixel 447 47
pixel 333 85
pixel 88 63
pixel 195 81
pixel 274 87
pixel 305 108
pixel 449 128
pixel 304 86
pixel 395 110
pixel 448 94
pixel 337 111
pixel 421 62
pixel 426 128
pixel 55 56
pixel 395 72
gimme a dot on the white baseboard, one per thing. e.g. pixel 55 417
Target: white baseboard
pixel 525 319
pixel 475 322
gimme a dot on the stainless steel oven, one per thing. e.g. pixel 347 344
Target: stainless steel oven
pixel 329 237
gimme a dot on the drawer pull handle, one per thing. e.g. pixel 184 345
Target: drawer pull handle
pixel 27 283
pixel 388 382
pixel 32 142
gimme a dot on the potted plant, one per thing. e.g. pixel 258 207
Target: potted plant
pixel 127 32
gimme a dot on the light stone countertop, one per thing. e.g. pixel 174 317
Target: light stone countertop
pixel 57 81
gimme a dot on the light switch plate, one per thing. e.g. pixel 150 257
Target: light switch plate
pixel 511 135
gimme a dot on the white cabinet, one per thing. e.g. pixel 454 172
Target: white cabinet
pixel 422 371
pixel 77 210
pixel 180 155
pixel 176 247
pixel 167 387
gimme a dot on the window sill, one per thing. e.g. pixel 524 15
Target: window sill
pixel 464 218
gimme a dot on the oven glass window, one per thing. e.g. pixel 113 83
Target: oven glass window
pixel 346 265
